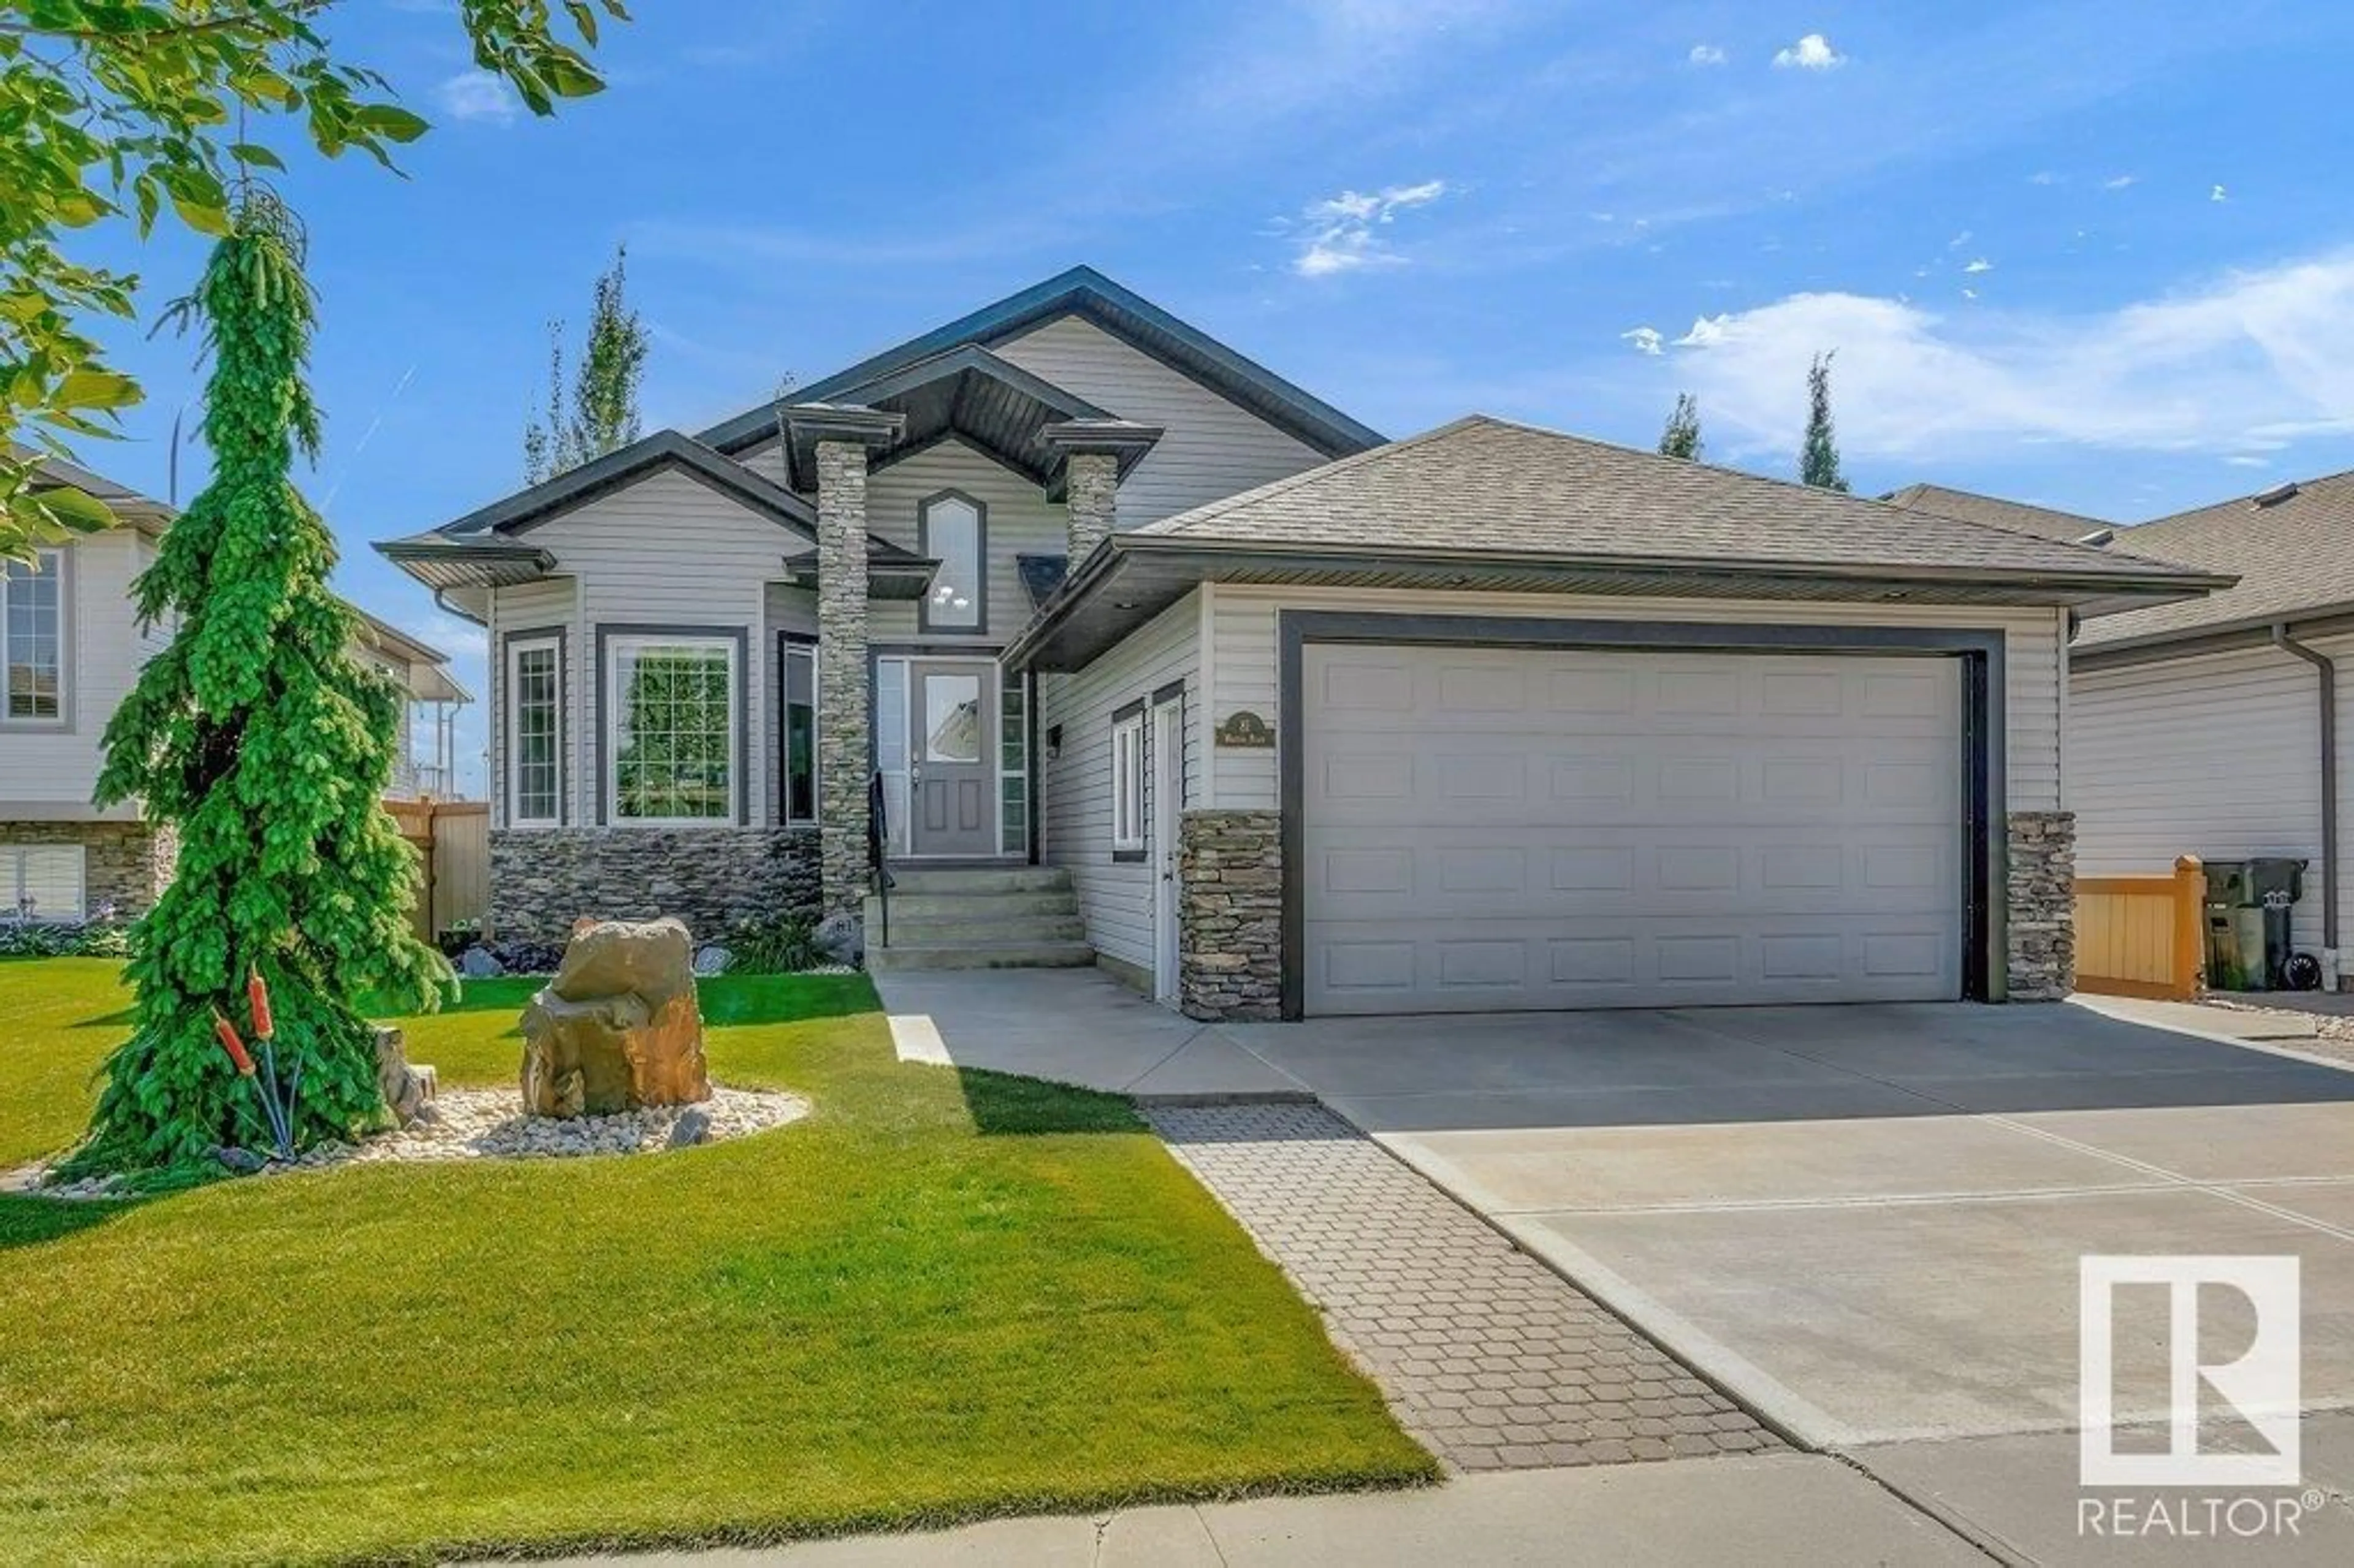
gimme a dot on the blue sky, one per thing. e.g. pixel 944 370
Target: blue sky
pixel 2095 255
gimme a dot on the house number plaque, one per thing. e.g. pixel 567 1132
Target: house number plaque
pixel 1244 728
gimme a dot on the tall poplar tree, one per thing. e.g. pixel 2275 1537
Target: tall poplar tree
pixel 1681 439
pixel 260 742
pixel 602 412
pixel 1818 458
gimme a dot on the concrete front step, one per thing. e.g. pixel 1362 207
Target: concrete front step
pixel 936 930
pixel 906 906
pixel 980 956
pixel 966 880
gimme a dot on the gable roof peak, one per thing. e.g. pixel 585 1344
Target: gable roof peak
pixel 1085 291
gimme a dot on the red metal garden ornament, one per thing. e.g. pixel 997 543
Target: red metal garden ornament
pixel 278 1100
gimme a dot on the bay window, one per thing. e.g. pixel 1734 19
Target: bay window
pixel 670 713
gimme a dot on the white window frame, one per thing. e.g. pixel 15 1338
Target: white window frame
pixel 799 652
pixel 553 644
pixel 13 865
pixel 52 566
pixel 615 646
pixel 1127 825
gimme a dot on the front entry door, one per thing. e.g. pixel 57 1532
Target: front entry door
pixel 951 751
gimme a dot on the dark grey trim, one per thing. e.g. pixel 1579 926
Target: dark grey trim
pixel 1984 964
pixel 2331 620
pixel 975 650
pixel 504 716
pixel 980 626
pixel 1126 711
pixel 740 763
pixel 2326 669
pixel 1130 857
pixel 1174 691
pixel 789 640
pixel 615 471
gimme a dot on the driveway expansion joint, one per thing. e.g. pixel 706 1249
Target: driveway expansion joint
pixel 1486 1355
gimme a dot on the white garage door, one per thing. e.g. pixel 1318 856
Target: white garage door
pixel 1495 828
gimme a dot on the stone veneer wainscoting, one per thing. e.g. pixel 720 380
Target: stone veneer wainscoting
pixel 542 879
pixel 125 865
pixel 1230 914
pixel 2041 893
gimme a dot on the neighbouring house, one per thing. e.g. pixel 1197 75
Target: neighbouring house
pixel 2216 726
pixel 70 647
pixel 1153 659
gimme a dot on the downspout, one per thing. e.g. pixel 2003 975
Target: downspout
pixel 2327 670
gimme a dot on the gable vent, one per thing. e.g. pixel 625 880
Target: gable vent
pixel 2275 495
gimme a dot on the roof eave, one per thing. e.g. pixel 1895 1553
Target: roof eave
pixel 1192 561
pixel 2215 636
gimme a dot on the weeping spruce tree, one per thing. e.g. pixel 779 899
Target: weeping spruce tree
pixel 266 747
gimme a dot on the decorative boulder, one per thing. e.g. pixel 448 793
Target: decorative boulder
pixel 479 962
pixel 407 1089
pixel 617 1028
pixel 712 960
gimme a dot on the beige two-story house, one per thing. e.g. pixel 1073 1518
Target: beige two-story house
pixel 72 645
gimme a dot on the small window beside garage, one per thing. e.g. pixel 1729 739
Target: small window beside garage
pixel 1128 782
pixel 42 881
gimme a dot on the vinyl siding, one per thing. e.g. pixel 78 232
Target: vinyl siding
pixel 2214 755
pixel 1021 522
pixel 666 551
pixel 56 764
pixel 1242 655
pixel 536 607
pixel 1075 788
pixel 1210 447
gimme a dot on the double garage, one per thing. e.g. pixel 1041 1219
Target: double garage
pixel 1558 815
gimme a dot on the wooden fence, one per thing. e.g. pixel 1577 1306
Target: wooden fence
pixel 452 839
pixel 2142 936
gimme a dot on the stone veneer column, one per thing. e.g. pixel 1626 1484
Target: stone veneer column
pixel 846 740
pixel 2041 894
pixel 1092 451
pixel 1093 500
pixel 1230 914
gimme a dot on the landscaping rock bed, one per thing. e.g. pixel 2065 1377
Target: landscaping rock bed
pixel 488 1124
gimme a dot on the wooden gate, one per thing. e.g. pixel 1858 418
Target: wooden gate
pixel 2142 936
pixel 452 839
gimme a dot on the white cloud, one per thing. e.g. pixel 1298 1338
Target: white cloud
pixel 2120 182
pixel 2248 460
pixel 2218 194
pixel 477 95
pixel 1342 233
pixel 1705 55
pixel 1647 340
pixel 2043 177
pixel 2243 363
pixel 457 638
pixel 1979 264
pixel 1813 52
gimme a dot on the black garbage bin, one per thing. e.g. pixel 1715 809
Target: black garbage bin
pixel 2274 886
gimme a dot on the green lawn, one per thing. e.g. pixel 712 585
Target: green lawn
pixel 942 1295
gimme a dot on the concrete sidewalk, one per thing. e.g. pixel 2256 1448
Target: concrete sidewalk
pixel 1073 1026
pixel 1788 1509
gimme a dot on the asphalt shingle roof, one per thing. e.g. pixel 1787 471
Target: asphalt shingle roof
pixel 2293 558
pixel 1486 485
pixel 2043 522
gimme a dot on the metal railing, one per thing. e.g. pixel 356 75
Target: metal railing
pixel 878 839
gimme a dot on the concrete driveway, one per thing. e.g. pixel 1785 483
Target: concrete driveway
pixel 1865 1221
